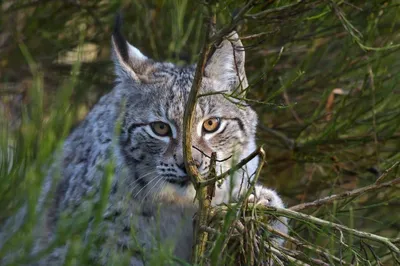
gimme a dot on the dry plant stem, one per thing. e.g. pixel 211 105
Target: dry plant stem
pixel 194 91
pixel 304 217
pixel 258 35
pixel 229 28
pixel 276 260
pixel 203 214
pixel 260 151
pixel 293 256
pixel 194 175
pixel 372 81
pixel 190 165
pixel 295 115
pixel 210 230
pixel 300 256
pixel 200 236
pixel 347 194
pixel 275 10
pixel 303 257
pixel 386 172
pixel 301 244
pixel 280 254
pixel 236 223
pixel 242 163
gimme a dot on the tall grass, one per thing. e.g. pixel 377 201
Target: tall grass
pixel 323 78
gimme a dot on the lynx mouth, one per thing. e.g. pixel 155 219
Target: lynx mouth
pixel 182 181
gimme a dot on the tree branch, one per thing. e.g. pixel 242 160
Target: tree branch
pixel 242 163
pixel 238 17
pixel 188 117
pixel 347 194
pixel 201 219
pixel 297 242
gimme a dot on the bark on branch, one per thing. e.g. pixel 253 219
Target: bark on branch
pixel 242 163
pixel 317 221
pixel 349 194
pixel 203 192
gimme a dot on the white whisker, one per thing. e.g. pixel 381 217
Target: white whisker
pixel 147 193
pixel 150 171
pixel 146 185
pixel 136 181
pixel 162 185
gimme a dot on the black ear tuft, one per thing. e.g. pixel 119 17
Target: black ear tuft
pixel 129 62
pixel 119 40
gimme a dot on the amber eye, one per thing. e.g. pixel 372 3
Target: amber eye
pixel 160 128
pixel 211 125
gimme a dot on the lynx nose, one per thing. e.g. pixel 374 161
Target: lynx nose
pixel 182 166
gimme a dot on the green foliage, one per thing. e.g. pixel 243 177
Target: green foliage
pixel 323 78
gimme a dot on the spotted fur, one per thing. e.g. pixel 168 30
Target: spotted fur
pixel 150 190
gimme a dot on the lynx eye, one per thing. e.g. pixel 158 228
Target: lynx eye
pixel 161 129
pixel 211 125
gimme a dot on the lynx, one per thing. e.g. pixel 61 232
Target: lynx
pixel 138 126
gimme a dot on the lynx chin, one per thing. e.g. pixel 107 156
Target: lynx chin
pixel 138 125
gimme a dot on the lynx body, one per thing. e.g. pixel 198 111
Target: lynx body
pixel 138 126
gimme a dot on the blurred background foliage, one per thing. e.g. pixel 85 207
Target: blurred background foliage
pixel 323 78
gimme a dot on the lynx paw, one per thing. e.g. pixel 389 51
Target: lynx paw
pixel 266 197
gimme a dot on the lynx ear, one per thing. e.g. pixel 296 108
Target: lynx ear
pixel 129 62
pixel 227 63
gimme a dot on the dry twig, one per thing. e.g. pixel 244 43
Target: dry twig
pixel 349 194
pixel 202 191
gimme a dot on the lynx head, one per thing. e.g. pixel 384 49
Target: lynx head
pixel 155 96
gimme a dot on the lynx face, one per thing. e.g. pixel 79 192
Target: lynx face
pixel 155 96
